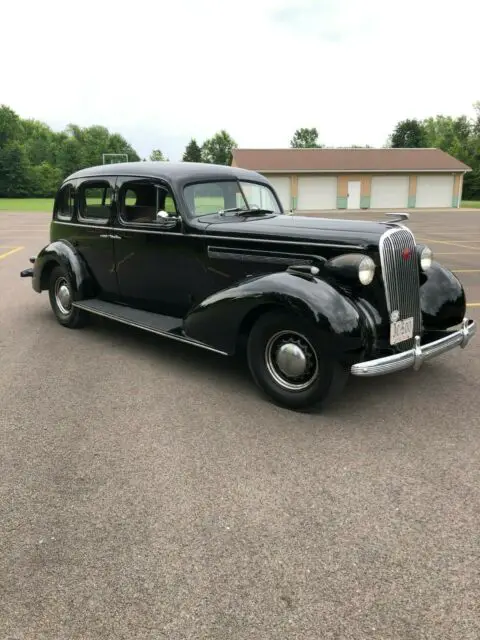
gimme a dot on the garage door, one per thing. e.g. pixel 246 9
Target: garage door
pixel 434 191
pixel 316 193
pixel 389 192
pixel 281 184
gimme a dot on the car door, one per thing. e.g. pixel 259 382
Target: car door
pixel 157 268
pixel 93 239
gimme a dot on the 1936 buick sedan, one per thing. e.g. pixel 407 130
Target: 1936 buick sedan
pixel 205 254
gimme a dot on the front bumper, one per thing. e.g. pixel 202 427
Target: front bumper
pixel 416 356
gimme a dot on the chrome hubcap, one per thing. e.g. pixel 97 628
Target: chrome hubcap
pixel 291 360
pixel 63 296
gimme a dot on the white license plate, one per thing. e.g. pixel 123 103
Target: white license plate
pixel 401 330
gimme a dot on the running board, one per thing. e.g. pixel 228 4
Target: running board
pixel 165 326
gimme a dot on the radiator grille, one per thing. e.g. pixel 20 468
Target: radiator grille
pixel 401 278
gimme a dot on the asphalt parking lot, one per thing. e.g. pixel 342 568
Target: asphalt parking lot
pixel 148 491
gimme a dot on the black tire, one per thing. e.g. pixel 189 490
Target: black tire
pixel 324 377
pixel 67 315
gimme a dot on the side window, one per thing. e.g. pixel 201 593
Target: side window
pixel 64 203
pixel 95 201
pixel 139 202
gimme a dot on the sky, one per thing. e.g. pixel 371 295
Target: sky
pixel 161 72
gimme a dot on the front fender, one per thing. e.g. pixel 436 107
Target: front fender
pixel 442 298
pixel 63 253
pixel 219 319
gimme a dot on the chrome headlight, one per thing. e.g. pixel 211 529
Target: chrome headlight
pixel 426 258
pixel 366 270
pixel 352 267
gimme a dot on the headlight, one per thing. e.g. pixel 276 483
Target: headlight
pixel 352 268
pixel 426 258
pixel 366 270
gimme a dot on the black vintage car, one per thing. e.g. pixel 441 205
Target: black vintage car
pixel 206 255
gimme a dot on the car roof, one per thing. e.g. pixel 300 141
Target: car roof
pixel 179 172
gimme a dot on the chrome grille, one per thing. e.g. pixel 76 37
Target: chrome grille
pixel 401 278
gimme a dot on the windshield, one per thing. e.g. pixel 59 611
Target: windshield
pixel 212 197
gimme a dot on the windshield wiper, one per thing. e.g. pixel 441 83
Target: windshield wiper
pixel 245 211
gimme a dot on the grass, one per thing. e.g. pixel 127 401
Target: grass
pixel 203 204
pixel 475 204
pixel 26 204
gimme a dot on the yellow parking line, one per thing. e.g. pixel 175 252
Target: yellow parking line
pixel 454 244
pixel 473 304
pixel 9 253
pixel 465 270
pixel 457 253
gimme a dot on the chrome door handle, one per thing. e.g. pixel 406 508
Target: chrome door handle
pixel 110 235
pixel 105 235
pixel 115 237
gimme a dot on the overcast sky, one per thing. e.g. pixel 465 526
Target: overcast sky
pixel 160 72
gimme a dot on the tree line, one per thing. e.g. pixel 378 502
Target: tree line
pixel 34 159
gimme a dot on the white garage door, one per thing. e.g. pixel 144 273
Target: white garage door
pixel 316 193
pixel 389 192
pixel 281 184
pixel 434 191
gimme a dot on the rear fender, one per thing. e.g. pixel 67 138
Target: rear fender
pixel 442 298
pixel 219 319
pixel 64 254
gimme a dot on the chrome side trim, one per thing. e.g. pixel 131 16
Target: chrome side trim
pixel 414 358
pixel 205 236
pixel 257 255
pixel 158 332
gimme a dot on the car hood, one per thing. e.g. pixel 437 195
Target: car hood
pixel 348 233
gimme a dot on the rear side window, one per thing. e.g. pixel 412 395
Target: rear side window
pixel 95 201
pixel 64 203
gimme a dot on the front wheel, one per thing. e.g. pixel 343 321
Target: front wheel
pixel 287 362
pixel 61 300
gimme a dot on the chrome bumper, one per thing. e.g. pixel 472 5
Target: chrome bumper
pixel 416 356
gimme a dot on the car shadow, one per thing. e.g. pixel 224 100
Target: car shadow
pixel 384 393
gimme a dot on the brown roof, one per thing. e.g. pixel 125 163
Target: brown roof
pixel 340 160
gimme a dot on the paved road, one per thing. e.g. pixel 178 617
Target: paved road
pixel 149 492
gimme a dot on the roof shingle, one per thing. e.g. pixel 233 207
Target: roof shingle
pixel 340 160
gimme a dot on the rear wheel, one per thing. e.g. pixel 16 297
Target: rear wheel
pixel 61 300
pixel 288 363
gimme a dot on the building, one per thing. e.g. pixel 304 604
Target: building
pixel 319 179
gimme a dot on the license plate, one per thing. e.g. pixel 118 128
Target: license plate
pixel 401 330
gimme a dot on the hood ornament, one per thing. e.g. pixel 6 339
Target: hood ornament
pixel 400 217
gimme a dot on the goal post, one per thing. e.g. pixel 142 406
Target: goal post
pixel 111 158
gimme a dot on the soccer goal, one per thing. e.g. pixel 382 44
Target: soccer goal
pixel 111 158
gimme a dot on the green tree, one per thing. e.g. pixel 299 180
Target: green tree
pixel 15 177
pixel 118 144
pixel 460 137
pixel 44 180
pixel 70 156
pixel 157 156
pixel 192 153
pixel 409 133
pixel 11 128
pixel 40 142
pixel 305 138
pixel 34 159
pixel 219 148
